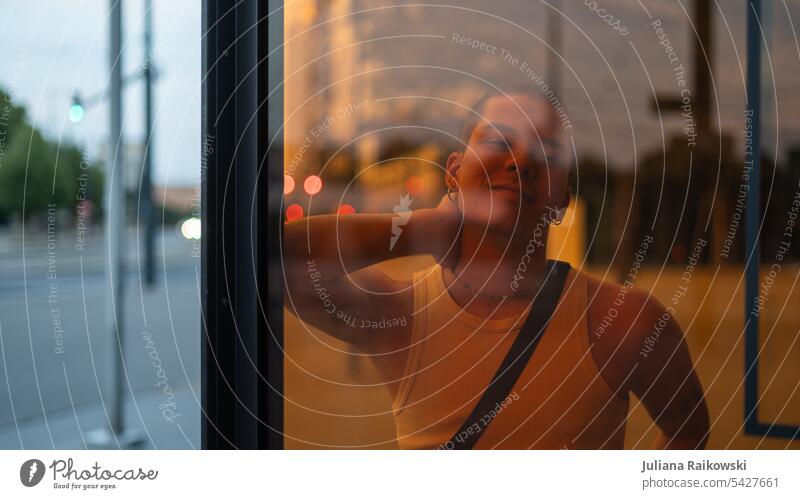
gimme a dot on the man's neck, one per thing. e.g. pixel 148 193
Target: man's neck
pixel 499 264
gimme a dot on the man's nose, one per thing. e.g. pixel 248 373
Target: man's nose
pixel 521 162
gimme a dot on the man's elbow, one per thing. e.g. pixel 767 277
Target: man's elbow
pixel 692 435
pixel 703 432
pixel 686 442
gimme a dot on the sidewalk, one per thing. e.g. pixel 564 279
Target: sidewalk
pixel 64 429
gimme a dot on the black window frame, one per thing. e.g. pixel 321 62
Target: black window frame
pixel 242 179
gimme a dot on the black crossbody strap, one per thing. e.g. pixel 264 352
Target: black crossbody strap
pixel 515 360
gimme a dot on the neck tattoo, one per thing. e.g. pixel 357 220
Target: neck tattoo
pixel 497 297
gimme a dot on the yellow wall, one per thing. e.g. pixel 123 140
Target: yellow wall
pixel 567 241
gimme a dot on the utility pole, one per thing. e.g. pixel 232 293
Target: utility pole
pixel 147 171
pixel 703 51
pixel 712 146
pixel 115 436
pixel 116 216
pixel 702 64
pixel 554 50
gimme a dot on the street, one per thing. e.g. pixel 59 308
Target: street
pixel 56 345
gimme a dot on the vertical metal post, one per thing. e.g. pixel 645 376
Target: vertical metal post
pixel 554 41
pixel 752 215
pixel 115 436
pixel 703 49
pixel 147 221
pixel 752 311
pixel 270 185
pixel 218 394
pixel 244 160
pixel 116 215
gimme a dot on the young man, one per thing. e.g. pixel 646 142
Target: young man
pixel 457 319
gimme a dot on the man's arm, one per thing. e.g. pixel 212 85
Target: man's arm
pixel 666 382
pixel 329 279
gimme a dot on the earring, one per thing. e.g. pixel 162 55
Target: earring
pixel 451 194
pixel 559 216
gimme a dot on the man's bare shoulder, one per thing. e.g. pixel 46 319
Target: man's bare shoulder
pixel 640 348
pixel 620 319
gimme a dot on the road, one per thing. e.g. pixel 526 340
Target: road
pixel 55 343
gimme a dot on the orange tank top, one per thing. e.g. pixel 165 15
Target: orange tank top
pixel 560 401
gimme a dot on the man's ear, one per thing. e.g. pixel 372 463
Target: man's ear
pixel 451 169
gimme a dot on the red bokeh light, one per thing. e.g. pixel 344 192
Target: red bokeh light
pixel 293 212
pixel 414 185
pixel 346 209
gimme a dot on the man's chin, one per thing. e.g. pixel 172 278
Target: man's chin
pixel 509 225
pixel 507 218
pixel 521 222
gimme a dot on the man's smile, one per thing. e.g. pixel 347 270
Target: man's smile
pixel 512 188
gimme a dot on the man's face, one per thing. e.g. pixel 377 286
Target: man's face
pixel 514 166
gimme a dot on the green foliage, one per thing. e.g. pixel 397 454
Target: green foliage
pixel 36 173
pixel 11 116
pixel 29 180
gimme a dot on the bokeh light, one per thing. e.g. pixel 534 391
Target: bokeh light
pixel 293 212
pixel 415 185
pixel 312 185
pixel 346 209
pixel 288 185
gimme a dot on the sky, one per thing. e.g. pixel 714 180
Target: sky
pixel 53 48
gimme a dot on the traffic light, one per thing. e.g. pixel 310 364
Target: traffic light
pixel 76 109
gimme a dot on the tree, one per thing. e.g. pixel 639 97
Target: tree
pixel 29 179
pixel 35 173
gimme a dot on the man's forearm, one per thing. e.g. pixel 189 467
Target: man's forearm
pixel 356 241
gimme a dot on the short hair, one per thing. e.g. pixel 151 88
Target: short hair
pixel 476 111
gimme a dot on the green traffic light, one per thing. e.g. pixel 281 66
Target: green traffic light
pixel 76 112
